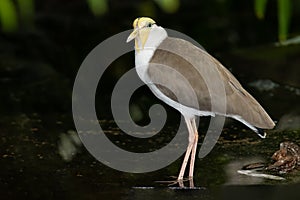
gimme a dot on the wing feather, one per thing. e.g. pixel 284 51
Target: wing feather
pixel 239 103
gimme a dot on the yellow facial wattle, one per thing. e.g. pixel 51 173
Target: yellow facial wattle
pixel 141 31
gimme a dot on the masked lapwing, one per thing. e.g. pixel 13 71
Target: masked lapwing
pixel 151 50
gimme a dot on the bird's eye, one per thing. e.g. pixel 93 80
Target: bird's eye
pixel 149 25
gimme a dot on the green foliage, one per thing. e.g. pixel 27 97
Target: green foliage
pixel 147 8
pixel 284 15
pixel 8 16
pixel 260 8
pixel 168 6
pixel 98 7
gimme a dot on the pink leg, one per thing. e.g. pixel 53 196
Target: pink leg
pixel 185 160
pixel 188 150
pixel 194 148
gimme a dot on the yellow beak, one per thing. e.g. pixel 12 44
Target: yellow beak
pixel 132 35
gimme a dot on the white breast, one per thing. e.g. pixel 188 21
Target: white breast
pixel 143 56
pixel 142 59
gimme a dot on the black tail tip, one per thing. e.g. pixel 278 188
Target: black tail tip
pixel 260 132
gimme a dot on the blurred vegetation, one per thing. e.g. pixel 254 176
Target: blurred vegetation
pixel 26 11
pixel 11 13
pixel 98 7
pixel 283 13
pixel 16 12
pixel 168 6
pixel 8 16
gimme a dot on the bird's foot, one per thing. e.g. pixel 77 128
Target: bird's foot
pixel 180 182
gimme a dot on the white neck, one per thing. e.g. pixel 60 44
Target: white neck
pixel 142 56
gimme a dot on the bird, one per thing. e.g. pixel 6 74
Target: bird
pixel 151 51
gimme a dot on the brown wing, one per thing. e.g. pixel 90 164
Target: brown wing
pixel 238 101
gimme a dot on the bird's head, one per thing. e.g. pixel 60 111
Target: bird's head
pixel 142 27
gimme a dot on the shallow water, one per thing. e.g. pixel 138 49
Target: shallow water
pixel 41 157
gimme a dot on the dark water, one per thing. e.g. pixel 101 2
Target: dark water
pixel 41 156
